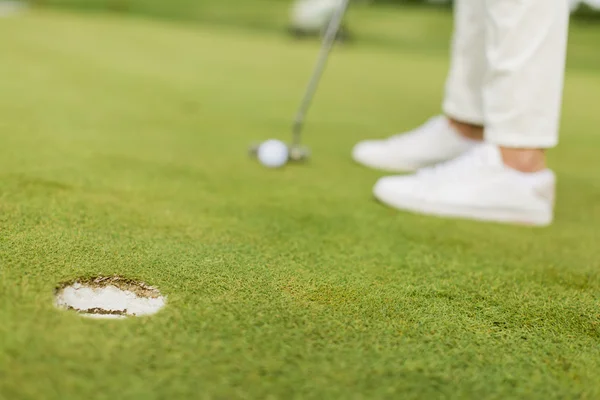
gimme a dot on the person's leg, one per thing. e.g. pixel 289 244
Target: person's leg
pixel 463 100
pixel 504 180
pixel 443 137
pixel 522 95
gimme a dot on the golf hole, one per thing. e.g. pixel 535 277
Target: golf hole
pixel 109 297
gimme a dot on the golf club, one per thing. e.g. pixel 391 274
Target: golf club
pixel 297 152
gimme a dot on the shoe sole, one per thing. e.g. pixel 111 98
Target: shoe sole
pixel 517 217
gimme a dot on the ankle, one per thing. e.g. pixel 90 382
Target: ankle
pixel 524 160
pixel 467 130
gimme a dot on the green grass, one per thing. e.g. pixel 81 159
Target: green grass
pixel 122 151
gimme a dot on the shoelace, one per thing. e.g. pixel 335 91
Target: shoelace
pixel 458 166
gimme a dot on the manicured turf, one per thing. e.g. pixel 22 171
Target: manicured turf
pixel 123 151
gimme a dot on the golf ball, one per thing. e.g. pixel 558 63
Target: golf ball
pixel 273 153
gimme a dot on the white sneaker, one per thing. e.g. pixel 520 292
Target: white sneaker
pixel 431 143
pixel 476 185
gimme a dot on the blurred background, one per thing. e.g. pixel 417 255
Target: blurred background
pixel 382 22
pixel 368 21
pixel 272 14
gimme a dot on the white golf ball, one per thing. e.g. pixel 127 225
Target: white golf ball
pixel 273 153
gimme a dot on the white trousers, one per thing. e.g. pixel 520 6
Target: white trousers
pixel 507 69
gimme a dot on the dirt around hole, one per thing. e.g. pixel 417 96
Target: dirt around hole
pixel 107 297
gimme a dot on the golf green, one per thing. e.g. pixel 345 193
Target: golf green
pixel 123 151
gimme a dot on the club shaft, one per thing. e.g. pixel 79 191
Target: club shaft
pixel 328 42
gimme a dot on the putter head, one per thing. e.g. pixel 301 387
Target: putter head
pixel 299 153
